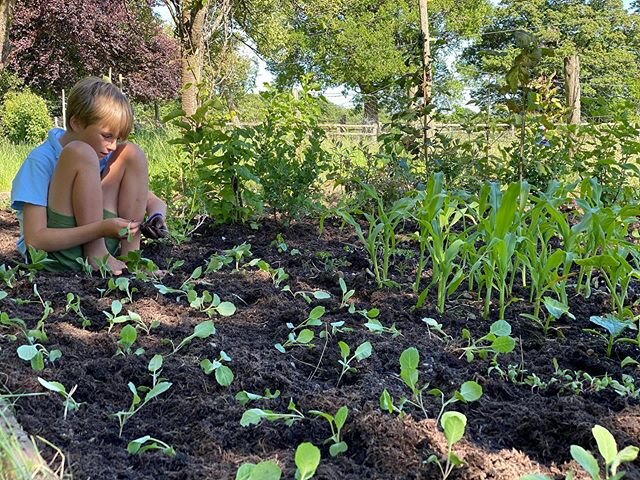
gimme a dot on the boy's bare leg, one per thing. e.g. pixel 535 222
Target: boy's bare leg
pixel 125 188
pixel 75 191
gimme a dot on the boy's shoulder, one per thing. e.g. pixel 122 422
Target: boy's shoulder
pixel 50 149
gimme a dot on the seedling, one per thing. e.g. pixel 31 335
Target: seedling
pixel 245 397
pixel 495 342
pixel 146 443
pixel 337 327
pixel 8 275
pixel 239 252
pixel 126 232
pixel 138 265
pixel 346 294
pixel 307 295
pixel 312 320
pixel 469 392
pixel 210 304
pixel 202 330
pixel 302 339
pixel 280 244
pixel 36 354
pixel 307 459
pixel 436 330
pixel 254 416
pixel 38 261
pixel 216 263
pixel 73 304
pixel 120 283
pixel 608 450
pixel 373 324
pixel 158 387
pixel 8 322
pixel 173 265
pixel 85 266
pixel 453 424
pixel 277 275
pixel 555 310
pixel 39 332
pixel 363 351
pixel 409 361
pixel 266 470
pixel 614 327
pixel 224 375
pixel 128 336
pixel 114 317
pixel 103 267
pixel 387 403
pixel 336 422
pixel 70 405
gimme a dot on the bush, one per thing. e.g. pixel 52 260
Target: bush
pixel 25 117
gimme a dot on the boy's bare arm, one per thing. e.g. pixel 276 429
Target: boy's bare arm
pixel 155 205
pixel 38 235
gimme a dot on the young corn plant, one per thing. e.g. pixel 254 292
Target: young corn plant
pixel 363 351
pixel 453 424
pixel 223 374
pixel 70 404
pixel 336 422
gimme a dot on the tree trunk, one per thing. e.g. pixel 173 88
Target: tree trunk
pixel 6 16
pixel 572 88
pixel 192 54
pixel 370 110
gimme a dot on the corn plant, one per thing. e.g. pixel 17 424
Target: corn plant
pixel 70 404
pixel 254 416
pixel 363 351
pixel 148 443
pixel 223 374
pixel 453 424
pixel 336 422
pixel 142 394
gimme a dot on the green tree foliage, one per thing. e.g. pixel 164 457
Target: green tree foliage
pixel 602 33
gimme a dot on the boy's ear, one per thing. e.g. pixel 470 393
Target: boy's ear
pixel 74 123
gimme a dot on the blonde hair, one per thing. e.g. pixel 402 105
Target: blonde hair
pixel 93 101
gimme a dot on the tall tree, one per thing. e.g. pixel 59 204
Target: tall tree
pixel 359 44
pixel 601 32
pixel 55 43
pixel 6 15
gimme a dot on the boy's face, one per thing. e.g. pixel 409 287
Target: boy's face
pixel 103 138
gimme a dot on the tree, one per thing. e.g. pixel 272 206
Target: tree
pixel 361 44
pixel 601 32
pixel 55 43
pixel 6 15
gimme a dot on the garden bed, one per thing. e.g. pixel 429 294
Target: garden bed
pixel 512 430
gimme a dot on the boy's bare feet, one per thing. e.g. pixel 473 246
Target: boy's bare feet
pixel 115 266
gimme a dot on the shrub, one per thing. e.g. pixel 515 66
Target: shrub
pixel 25 117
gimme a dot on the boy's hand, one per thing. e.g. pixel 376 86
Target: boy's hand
pixel 114 227
pixel 155 227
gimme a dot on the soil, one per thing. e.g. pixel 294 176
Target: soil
pixel 512 430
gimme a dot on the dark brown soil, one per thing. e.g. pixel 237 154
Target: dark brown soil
pixel 512 430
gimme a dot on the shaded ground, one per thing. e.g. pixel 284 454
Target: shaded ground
pixel 512 430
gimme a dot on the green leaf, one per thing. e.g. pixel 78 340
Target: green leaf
pixel 53 386
pixel 155 363
pixel 471 391
pixel 128 335
pixel 321 295
pixel 337 448
pixel 586 461
pixel 157 390
pixel 341 417
pixel 363 351
pixel 344 349
pixel 253 416
pixel 54 355
pixel 556 308
pixel 316 312
pixel 204 329
pixel 224 375
pixel 535 476
pixel 501 328
pixel 27 352
pixel 37 362
pixel 305 336
pixel 453 424
pixel 503 344
pixel 266 470
pixel 409 359
pixel 612 324
pixel 606 443
pixel 134 445
pixel 226 309
pixel 307 459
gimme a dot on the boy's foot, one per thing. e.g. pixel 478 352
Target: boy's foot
pixel 116 267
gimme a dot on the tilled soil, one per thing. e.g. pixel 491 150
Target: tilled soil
pixel 512 430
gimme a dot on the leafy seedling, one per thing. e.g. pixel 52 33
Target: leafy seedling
pixel 387 403
pixel 266 470
pixel 435 330
pixel 254 416
pixel 307 459
pixel 277 275
pixel 122 284
pixel 139 266
pixel 239 252
pixel 245 397
pixel 73 305
pixel 103 266
pixel 470 391
pixel 453 424
pixel 210 304
pixel 126 232
pixel 7 322
pixel 85 266
pixel 36 354
pixel 8 275
pixel 496 342
pixel 202 330
pixel 614 327
pixel 70 405
pixel 363 351
pixel 409 361
pixel 373 324
pixel 312 320
pixel 336 422
pixel 302 339
pixel 38 261
pixel 128 336
pixel 147 443
pixel 346 294
pixel 223 374
pixel 555 309
pixel 114 317
pixel 308 295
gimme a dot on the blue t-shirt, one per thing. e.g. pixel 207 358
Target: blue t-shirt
pixel 31 183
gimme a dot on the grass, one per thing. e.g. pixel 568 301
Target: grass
pixel 11 157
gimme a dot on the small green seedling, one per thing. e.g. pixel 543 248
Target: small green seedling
pixel 307 459
pixel 266 470
pixel 308 295
pixel 158 387
pixel 70 405
pixel 336 327
pixel 363 351
pixel 387 403
pixel 73 305
pixel 346 294
pixel 12 323
pixel 38 261
pixel 254 416
pixel 435 330
pixel 239 252
pixel 126 232
pixel 614 327
pixel 302 339
pixel 8 275
pixel 469 392
pixel 496 342
pixel 609 451
pixel 122 284
pixel 216 263
pixel 39 333
pixel 313 320
pixel 245 397
pixel 36 354
pixel 223 374
pixel 373 324
pixel 103 267
pixel 202 330
pixel 173 265
pixel 85 266
pixel 139 266
pixel 114 317
pixel 146 443
pixel 210 304
pixel 555 310
pixel 277 275
pixel 336 422
pixel 453 424
pixel 409 361
pixel 128 336
pixel 280 244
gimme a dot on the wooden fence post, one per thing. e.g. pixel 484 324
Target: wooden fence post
pixel 572 88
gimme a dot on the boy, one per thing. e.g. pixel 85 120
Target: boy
pixel 76 192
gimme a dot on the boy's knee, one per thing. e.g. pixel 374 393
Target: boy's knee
pixel 134 156
pixel 78 155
